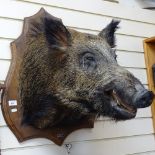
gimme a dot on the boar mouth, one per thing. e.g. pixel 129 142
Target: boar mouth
pixel 122 109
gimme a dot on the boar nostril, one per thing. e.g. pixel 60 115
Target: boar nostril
pixel 144 100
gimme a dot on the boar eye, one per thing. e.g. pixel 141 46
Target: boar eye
pixel 89 58
pixel 88 62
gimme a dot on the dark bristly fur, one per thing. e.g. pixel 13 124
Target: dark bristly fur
pixel 67 75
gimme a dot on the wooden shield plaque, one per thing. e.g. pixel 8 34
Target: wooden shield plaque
pixel 11 106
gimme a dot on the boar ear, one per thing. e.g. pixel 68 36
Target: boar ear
pixel 52 28
pixel 108 32
pixel 56 33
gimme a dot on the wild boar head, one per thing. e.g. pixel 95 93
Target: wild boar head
pixel 67 75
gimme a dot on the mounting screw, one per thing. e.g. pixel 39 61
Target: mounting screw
pixel 68 147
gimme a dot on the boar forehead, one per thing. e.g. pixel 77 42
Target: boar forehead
pixel 82 43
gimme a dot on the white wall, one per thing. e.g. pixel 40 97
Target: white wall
pixel 107 138
pixel 129 3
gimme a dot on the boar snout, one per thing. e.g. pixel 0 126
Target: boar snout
pixel 143 98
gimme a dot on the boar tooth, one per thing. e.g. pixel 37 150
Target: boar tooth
pixel 117 101
pixel 115 97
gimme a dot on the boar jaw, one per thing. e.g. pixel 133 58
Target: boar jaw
pixel 122 107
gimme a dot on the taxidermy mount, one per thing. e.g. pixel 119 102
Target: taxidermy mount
pixel 63 79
